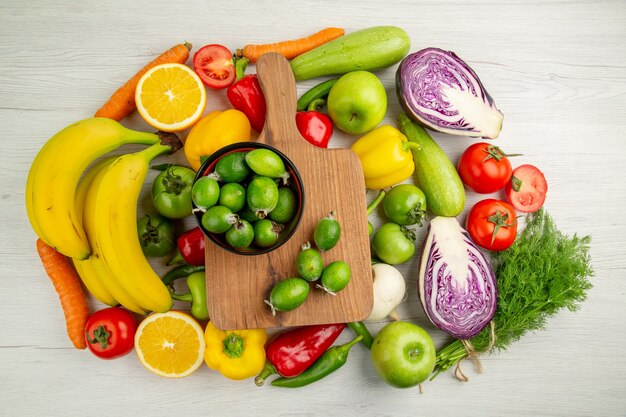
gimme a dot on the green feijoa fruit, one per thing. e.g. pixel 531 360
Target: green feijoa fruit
pixel 232 167
pixel 262 196
pixel 241 235
pixel 248 215
pixel 288 294
pixel 267 163
pixel 309 263
pixel 327 232
pixel 233 196
pixel 286 207
pixel 205 192
pixel 266 233
pixel 335 277
pixel 218 219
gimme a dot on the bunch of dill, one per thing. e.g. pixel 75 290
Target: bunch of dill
pixel 543 272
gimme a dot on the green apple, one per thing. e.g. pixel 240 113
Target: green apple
pixel 357 102
pixel 403 354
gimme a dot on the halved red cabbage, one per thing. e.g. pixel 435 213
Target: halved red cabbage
pixel 440 91
pixel 457 286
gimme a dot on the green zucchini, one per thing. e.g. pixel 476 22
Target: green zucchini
pixel 367 49
pixel 436 175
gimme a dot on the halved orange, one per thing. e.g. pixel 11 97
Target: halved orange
pixel 170 97
pixel 170 344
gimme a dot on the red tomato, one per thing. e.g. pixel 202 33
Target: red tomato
pixel 214 65
pixel 110 333
pixel 492 224
pixel 527 189
pixel 484 168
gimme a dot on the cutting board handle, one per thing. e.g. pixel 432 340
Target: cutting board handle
pixel 279 87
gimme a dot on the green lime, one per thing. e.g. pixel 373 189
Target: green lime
pixel 286 207
pixel 233 196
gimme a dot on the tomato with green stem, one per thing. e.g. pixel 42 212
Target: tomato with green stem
pixel 394 244
pixel 484 168
pixel 110 333
pixel 405 204
pixel 171 191
pixel 156 235
pixel 492 224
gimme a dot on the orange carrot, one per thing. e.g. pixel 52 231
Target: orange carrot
pixel 122 102
pixel 291 48
pixel 67 284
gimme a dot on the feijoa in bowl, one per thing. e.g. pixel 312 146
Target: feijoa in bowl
pixel 238 167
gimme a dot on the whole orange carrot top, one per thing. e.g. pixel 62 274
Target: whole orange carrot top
pixel 67 285
pixel 122 102
pixel 291 48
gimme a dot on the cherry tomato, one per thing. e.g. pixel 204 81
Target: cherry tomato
pixel 484 168
pixel 110 332
pixel 492 224
pixel 214 65
pixel 527 189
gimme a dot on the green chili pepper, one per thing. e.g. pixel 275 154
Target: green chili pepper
pixel 319 91
pixel 371 207
pixel 333 359
pixel 359 328
pixel 196 295
pixel 181 272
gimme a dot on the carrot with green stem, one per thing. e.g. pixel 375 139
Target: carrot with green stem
pixel 122 102
pixel 291 48
pixel 67 285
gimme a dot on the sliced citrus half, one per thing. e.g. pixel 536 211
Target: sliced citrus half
pixel 170 344
pixel 170 97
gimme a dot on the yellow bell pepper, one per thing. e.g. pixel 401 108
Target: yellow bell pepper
pixel 386 157
pixel 214 131
pixel 236 354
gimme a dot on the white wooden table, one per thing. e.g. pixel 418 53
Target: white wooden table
pixel 557 71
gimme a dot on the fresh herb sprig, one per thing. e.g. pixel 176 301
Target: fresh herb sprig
pixel 543 272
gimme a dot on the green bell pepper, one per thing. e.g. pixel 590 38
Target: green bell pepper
pixel 196 295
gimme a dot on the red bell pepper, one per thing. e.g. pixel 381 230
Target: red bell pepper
pixel 315 127
pixel 292 352
pixel 190 248
pixel 245 95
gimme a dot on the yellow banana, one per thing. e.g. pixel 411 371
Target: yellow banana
pixel 116 229
pixel 54 175
pixel 85 269
pixel 94 267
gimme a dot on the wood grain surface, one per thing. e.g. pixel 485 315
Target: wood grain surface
pixel 237 285
pixel 555 68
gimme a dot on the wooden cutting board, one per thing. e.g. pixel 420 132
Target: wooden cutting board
pixel 333 180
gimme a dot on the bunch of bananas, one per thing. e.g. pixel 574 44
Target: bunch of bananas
pixel 95 223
